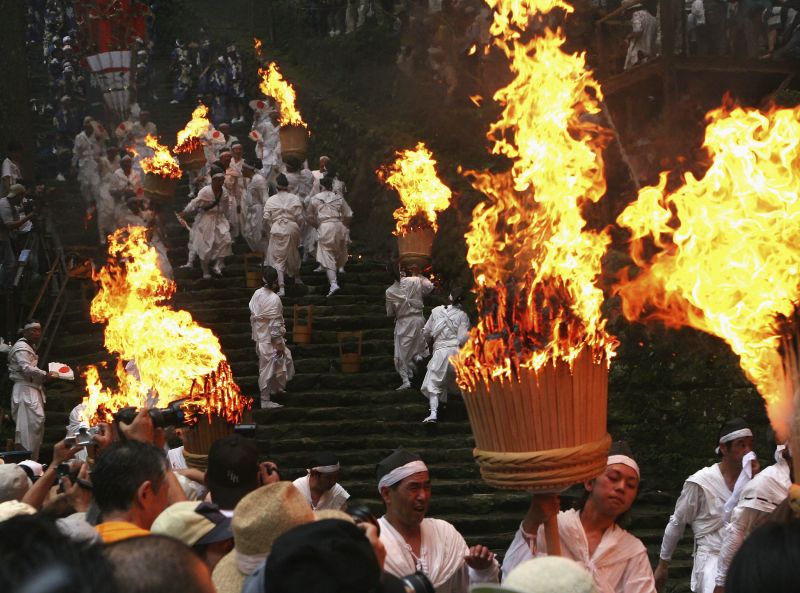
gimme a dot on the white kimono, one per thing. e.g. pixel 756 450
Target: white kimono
pixel 404 303
pixel 700 504
pixel 268 149
pixel 27 396
pixel 335 498
pixel 300 183
pixel 86 153
pixel 106 204
pixel 619 564
pixel 121 183
pixel 643 44
pixel 283 215
pixel 253 229
pixel 236 185
pixel 448 327
pixel 441 557
pixel 758 500
pixel 330 214
pixel 210 237
pixel 137 135
pixel 275 367
pixel 75 422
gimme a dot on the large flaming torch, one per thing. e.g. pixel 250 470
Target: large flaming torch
pixel 161 171
pixel 189 145
pixel 294 131
pixel 728 250
pixel 163 355
pixel 534 371
pixel 423 196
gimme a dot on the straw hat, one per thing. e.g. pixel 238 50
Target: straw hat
pixel 548 574
pixel 334 514
pixel 258 520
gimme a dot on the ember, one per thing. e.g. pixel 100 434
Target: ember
pixel 161 163
pixel 273 85
pixel 729 244
pixel 534 263
pixel 421 192
pixel 168 355
pixel 189 138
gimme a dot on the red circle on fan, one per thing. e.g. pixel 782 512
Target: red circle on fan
pixel 64 369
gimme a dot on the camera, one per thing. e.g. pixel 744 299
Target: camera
pixel 361 514
pixel 172 415
pixel 417 583
pixel 246 430
pixel 82 437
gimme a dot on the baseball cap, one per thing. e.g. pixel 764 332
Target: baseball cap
pixel 16 190
pixel 194 523
pixel 14 482
pixel 232 469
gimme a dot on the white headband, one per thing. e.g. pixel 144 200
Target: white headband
pixel 624 460
pixel 401 473
pixel 732 436
pixel 32 325
pixel 325 469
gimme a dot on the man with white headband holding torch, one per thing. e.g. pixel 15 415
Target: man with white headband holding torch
pixel 591 535
pixel 320 485
pixel 27 395
pixel 416 543
pixel 702 503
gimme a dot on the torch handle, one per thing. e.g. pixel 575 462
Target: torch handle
pixel 552 537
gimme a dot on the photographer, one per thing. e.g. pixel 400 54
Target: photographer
pixel 16 214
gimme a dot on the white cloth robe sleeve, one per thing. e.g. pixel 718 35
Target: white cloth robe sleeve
pixel 687 508
pixel 743 522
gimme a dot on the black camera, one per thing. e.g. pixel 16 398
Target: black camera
pixel 246 430
pixel 172 415
pixel 417 583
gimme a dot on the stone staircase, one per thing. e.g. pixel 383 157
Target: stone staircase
pixel 359 416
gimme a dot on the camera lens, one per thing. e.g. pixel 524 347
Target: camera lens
pixel 417 583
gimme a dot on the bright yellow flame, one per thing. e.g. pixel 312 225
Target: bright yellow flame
pixel 189 137
pixel 534 262
pixel 273 85
pixel 730 244
pixel 423 195
pixel 172 353
pixel 161 162
pixel 472 50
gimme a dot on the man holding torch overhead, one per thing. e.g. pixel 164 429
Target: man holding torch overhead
pixel 590 535
pixel 701 504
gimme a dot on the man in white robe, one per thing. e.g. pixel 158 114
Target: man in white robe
pixel 139 130
pixel 268 141
pixel 330 214
pixel 320 486
pixel 27 394
pixel 415 542
pixel 404 302
pixel 106 205
pixel 275 365
pixel 283 216
pixel 701 505
pixel 210 237
pixel 254 200
pixel 591 537
pixel 448 329
pixel 758 501
pixel 125 184
pixel 642 40
pixel 236 184
pixel 86 153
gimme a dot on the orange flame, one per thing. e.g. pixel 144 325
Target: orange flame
pixel 190 137
pixel 422 194
pixel 273 85
pixel 171 352
pixel 730 244
pixel 534 263
pixel 476 100
pixel 257 46
pixel 161 163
